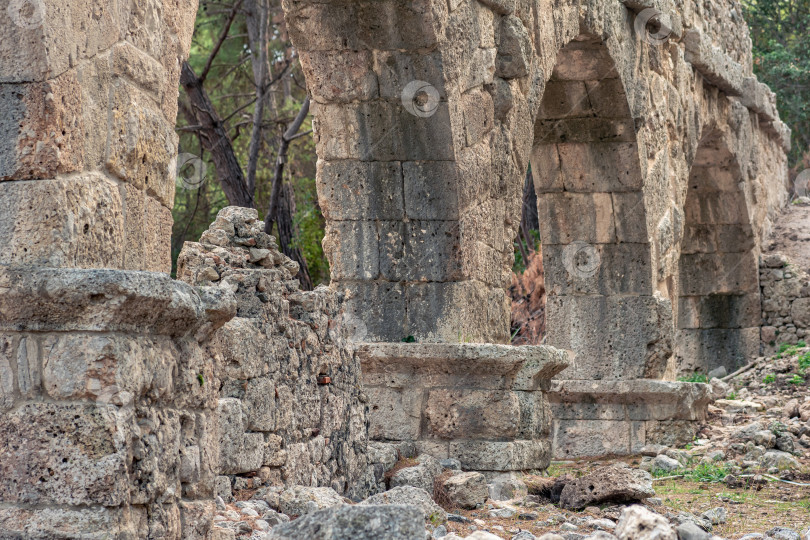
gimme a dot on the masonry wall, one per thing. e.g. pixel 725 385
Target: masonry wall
pixel 785 302
pixel 290 407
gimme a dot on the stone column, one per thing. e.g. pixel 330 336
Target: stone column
pixel 88 94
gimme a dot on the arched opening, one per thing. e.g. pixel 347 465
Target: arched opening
pixel 718 303
pixel 592 217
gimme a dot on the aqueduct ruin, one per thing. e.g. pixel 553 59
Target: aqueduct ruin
pixel 127 397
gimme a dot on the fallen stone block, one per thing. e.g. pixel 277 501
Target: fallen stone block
pixel 466 490
pixel 409 495
pixel 607 484
pixel 638 523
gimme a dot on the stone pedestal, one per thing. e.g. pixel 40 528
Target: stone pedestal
pixel 107 404
pixel 598 418
pixel 484 405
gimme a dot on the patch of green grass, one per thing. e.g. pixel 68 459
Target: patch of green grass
pixel 796 379
pixel 707 472
pixel 732 395
pixel 694 378
pixel 786 349
pixel 769 379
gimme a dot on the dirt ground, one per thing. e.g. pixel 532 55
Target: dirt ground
pixel 749 510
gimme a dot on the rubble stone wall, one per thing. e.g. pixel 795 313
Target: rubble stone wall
pixel 290 406
pixel 785 302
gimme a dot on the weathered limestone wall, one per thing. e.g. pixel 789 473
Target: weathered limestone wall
pixel 785 302
pixel 422 192
pixel 108 404
pixel 88 104
pixel 290 409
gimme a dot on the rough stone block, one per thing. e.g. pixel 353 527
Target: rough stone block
pixel 608 98
pixel 353 249
pixel 622 269
pixel 458 414
pixel 612 167
pixel 420 251
pixel 396 69
pixel 583 61
pixel 431 190
pixel 546 171
pixel 719 311
pixel 142 143
pixel 41 128
pixel 565 99
pixel 702 350
pixel 585 130
pixel 612 337
pixel 478 114
pixel 501 456
pixel 58 522
pixel 394 414
pixel 148 229
pixel 72 454
pixel 718 273
pixel 75 222
pixel 339 76
pixel 585 438
pixel 358 190
pixel 569 217
pixel 464 311
pixel 379 309
pixel 378 131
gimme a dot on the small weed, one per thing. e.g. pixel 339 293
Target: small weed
pixel 796 379
pixel 769 379
pixel 694 378
pixel 804 361
pixel 200 379
pixel 409 339
pixel 732 395
pixel 707 472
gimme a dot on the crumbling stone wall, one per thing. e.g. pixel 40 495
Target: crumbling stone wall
pixel 785 302
pixel 290 410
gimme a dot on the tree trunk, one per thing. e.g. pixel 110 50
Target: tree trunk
pixel 215 140
pixel 288 234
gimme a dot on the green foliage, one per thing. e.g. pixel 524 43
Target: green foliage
pixel 780 34
pixel 804 362
pixel 694 378
pixel 786 349
pixel 200 379
pixel 708 472
pixel 409 339
pixel 796 379
pixel 732 395
pixel 770 378
pixel 520 265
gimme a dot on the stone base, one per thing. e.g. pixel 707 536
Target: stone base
pixel 598 418
pixel 484 405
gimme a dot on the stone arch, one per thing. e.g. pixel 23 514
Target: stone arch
pixel 593 222
pixel 718 285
